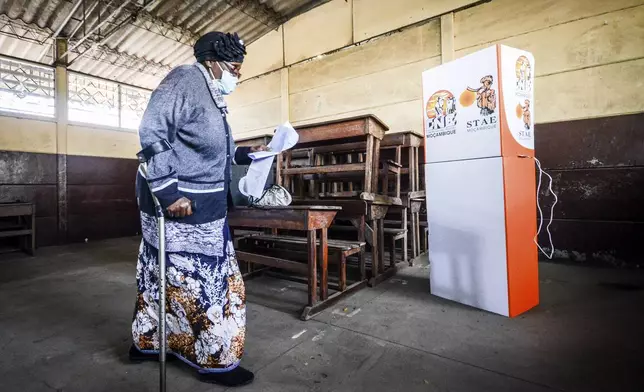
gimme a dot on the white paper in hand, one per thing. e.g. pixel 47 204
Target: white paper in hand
pixel 285 138
pixel 255 180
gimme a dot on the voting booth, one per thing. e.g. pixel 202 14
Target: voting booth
pixel 480 180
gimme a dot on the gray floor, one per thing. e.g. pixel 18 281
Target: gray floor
pixel 65 320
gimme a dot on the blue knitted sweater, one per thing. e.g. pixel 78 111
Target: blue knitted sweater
pixel 189 111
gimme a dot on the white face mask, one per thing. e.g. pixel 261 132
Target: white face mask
pixel 228 82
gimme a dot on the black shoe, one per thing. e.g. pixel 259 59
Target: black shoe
pixel 234 378
pixel 138 356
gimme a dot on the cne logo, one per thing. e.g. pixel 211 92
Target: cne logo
pixel 441 114
pixel 523 71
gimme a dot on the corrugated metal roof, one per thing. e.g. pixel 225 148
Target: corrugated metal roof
pixel 139 44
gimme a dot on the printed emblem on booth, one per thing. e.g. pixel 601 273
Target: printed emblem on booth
pixel 523 71
pixel 518 93
pixel 485 97
pixel 524 91
pixel 441 114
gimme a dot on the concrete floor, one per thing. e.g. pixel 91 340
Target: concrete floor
pixel 65 326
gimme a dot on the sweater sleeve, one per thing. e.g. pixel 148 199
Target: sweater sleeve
pixel 166 113
pixel 241 156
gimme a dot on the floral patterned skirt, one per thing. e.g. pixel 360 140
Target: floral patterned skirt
pixel 205 305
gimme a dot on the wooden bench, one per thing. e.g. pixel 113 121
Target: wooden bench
pixel 390 233
pixel 339 251
pixel 23 225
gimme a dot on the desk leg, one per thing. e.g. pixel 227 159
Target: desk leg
pixel 426 241
pixel 324 259
pixel 398 161
pixel 414 237
pixel 381 244
pixel 350 160
pixel 375 250
pixel 314 193
pixel 362 259
pixel 323 190
pixel 343 272
pixel 288 179
pixel 392 252
pixel 406 237
pixel 385 179
pixel 301 186
pixel 278 172
pixel 313 279
pixel 369 159
pixel 334 184
pixel 412 170
pixel 416 170
pixel 376 167
pixel 32 242
pixel 418 240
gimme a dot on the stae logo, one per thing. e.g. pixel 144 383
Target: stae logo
pixel 523 71
pixel 485 97
pixel 441 114
pixel 523 113
pixel 526 114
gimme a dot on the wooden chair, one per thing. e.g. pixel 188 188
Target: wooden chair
pixel 396 234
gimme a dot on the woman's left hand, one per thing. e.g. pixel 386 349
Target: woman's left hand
pixel 260 148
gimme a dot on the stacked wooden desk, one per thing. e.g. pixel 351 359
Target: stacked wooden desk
pixel 408 147
pixel 337 163
pixel 334 175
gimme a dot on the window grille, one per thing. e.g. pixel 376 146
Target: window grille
pixel 26 88
pixel 133 104
pixel 93 100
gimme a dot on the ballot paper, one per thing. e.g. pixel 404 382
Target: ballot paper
pixel 253 183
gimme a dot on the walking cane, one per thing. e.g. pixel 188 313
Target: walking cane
pixel 161 247
pixel 160 215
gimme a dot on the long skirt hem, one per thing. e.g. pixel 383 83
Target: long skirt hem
pixel 205 302
pixel 187 362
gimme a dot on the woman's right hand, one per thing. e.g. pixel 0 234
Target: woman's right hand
pixel 180 208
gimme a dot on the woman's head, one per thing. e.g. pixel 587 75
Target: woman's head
pixel 218 47
pixel 222 54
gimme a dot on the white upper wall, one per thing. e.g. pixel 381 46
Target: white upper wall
pixel 335 25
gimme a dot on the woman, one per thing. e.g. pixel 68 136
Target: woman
pixel 206 314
